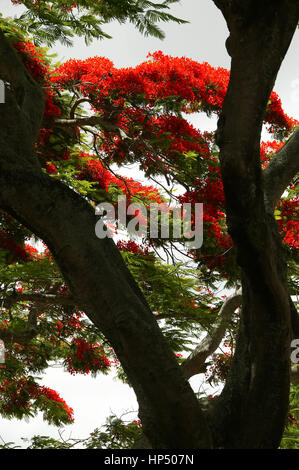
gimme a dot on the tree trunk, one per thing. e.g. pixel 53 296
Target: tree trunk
pixel 251 411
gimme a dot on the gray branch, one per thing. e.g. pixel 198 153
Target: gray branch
pixel 195 363
pixel 104 124
pixel 280 171
pixel 41 299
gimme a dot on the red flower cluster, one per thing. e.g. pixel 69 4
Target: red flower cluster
pixel 137 423
pixel 19 394
pixel 86 358
pixel 289 221
pixel 32 252
pixel 292 420
pixel 24 253
pixel 139 99
pixel 268 149
pixel 41 391
pixel 8 243
pixel 4 325
pixel 275 115
pixel 154 85
pixel 219 370
pixel 93 170
pixel 33 60
pixel 70 324
pixel 132 247
pixel 159 77
pixel 197 86
pixel 19 252
pixel 209 191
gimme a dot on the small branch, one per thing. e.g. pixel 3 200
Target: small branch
pixel 42 299
pixel 20 337
pixel 194 364
pixel 279 173
pixel 91 121
pixel 76 104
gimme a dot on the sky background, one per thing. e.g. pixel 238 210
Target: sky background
pixel 203 39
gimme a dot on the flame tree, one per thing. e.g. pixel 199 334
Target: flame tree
pixel 95 305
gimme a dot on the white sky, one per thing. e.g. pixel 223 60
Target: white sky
pixel 203 40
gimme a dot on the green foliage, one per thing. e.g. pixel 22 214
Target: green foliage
pixel 40 333
pixel 174 295
pixel 49 21
pixel 290 438
pixel 116 433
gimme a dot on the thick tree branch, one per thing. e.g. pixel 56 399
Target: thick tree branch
pixel 96 274
pixel 76 104
pixel 19 337
pixel 280 171
pixel 39 299
pixel 104 124
pixel 254 402
pixel 28 100
pixel 194 364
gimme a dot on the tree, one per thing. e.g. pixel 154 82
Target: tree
pixel 137 115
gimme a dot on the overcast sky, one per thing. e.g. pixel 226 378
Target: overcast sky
pixel 202 40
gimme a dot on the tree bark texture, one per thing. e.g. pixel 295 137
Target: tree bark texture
pixel 254 402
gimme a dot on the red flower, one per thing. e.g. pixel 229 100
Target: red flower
pixel 86 358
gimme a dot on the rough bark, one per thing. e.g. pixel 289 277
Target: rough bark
pixel 251 410
pixel 94 270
